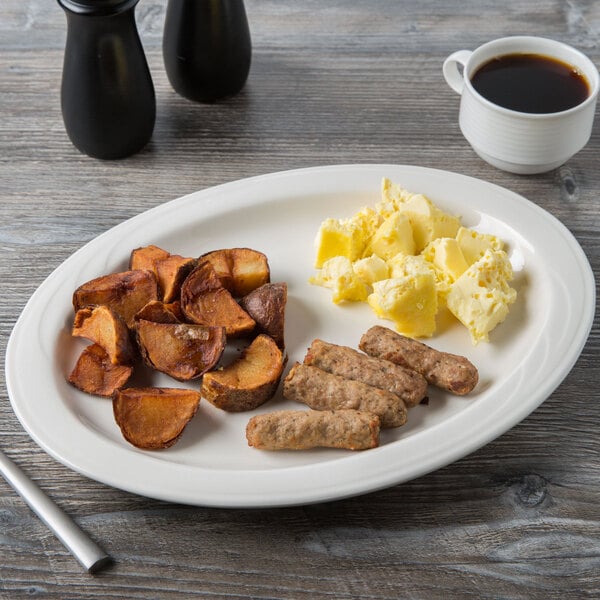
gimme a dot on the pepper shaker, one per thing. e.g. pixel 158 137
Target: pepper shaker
pixel 107 95
pixel 206 48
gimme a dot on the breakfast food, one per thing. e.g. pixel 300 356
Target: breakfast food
pixel 125 293
pixel 170 269
pixel 182 350
pixel 442 369
pixel 101 325
pixel 266 305
pixel 95 373
pixel 377 372
pixel 177 314
pixel 153 418
pixel 240 270
pixel 249 381
pixel 324 391
pixel 160 312
pixel 205 301
pixel 408 259
pixel 481 297
pixel 306 429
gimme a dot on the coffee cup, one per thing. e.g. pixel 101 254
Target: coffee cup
pixel 502 127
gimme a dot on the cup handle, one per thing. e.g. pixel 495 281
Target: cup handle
pixel 453 76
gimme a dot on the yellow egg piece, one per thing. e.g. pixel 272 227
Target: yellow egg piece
pixel 337 237
pixel 428 221
pixel 338 275
pixel 394 235
pixel 371 269
pixel 447 257
pixel 480 298
pixel 474 244
pixel 410 302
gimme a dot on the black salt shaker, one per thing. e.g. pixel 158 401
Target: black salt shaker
pixel 207 48
pixel 107 95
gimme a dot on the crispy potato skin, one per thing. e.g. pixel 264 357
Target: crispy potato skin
pixel 205 301
pixel 171 272
pixel 144 258
pixel 95 374
pixel 158 312
pixel 306 429
pixel 266 305
pixel 154 418
pixel 101 325
pixel 249 381
pixel 170 269
pixel 125 293
pixel 183 351
pixel 240 270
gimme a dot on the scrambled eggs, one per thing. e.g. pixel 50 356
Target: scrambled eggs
pixel 407 258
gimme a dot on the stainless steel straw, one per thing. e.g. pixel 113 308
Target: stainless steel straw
pixel 87 552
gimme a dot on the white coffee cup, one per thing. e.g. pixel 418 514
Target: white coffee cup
pixel 515 141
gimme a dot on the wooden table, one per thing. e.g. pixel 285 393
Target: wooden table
pixel 331 83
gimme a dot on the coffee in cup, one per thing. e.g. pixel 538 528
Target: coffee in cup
pixel 527 103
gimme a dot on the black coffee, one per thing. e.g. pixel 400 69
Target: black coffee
pixel 531 83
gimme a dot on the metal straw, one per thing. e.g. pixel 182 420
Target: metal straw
pixel 87 552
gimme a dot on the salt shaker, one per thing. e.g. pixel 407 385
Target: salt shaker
pixel 207 48
pixel 107 95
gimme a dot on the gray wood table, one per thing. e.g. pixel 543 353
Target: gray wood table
pixel 336 82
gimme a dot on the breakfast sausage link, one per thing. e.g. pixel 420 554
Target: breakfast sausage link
pixel 378 372
pixel 442 369
pixel 324 391
pixel 305 429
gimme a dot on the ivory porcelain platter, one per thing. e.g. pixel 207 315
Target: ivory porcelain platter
pixel 527 358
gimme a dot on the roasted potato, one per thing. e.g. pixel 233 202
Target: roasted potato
pixel 183 351
pixel 145 257
pixel 240 270
pixel 266 305
pixel 125 293
pixel 159 312
pixel 249 381
pixel 101 325
pixel 170 269
pixel 171 273
pixel 154 418
pixel 94 373
pixel 205 301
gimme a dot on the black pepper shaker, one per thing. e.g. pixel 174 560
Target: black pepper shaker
pixel 107 95
pixel 207 48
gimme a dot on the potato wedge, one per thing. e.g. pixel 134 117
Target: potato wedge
pixel 101 325
pixel 94 373
pixel 145 257
pixel 249 381
pixel 171 273
pixel 206 302
pixel 266 305
pixel 154 418
pixel 183 351
pixel 125 293
pixel 240 270
pixel 159 312
pixel 170 269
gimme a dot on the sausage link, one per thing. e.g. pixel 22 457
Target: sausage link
pixel 305 429
pixel 324 391
pixel 442 369
pixel 377 372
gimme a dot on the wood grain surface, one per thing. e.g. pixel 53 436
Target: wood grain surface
pixel 332 82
